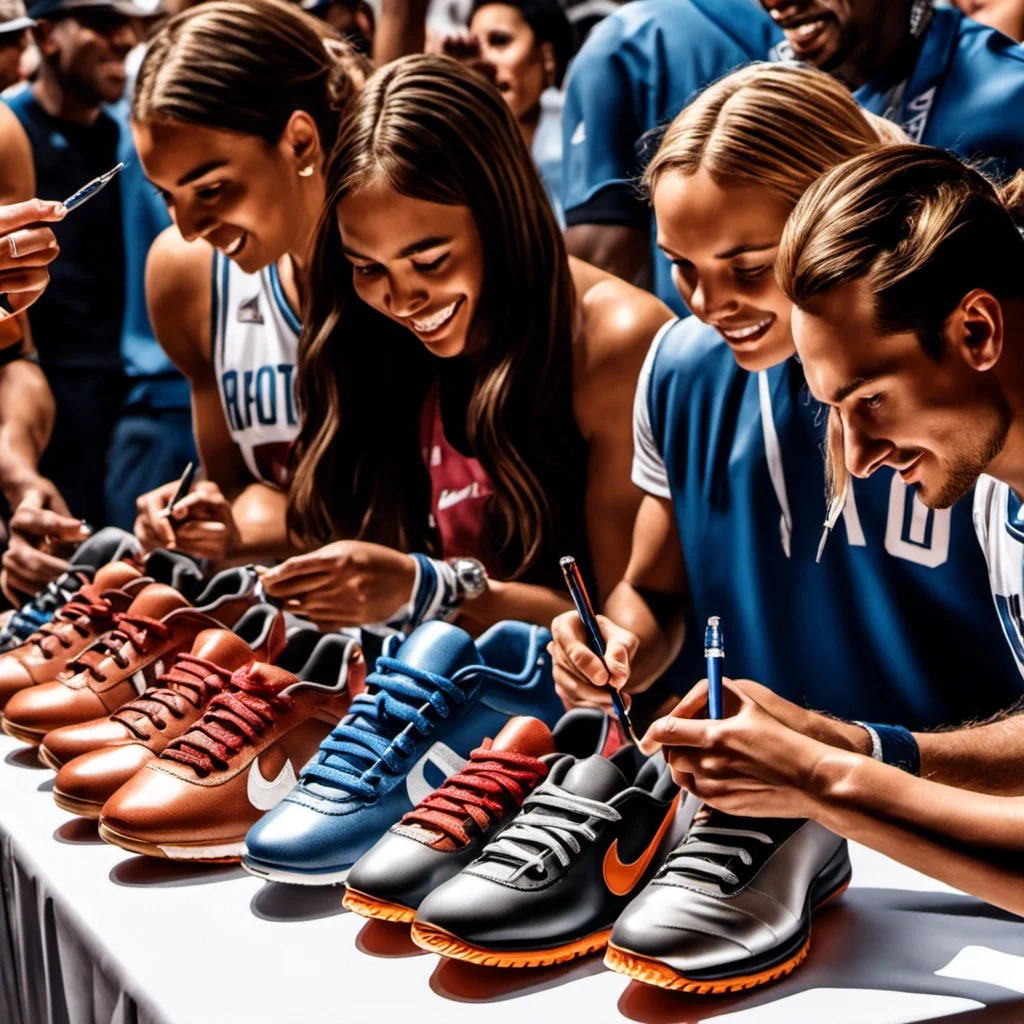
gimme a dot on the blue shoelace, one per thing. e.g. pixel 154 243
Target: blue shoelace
pixel 378 734
pixel 35 613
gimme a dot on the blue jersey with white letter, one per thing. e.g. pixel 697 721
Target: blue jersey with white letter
pixel 255 344
pixel 894 625
pixel 965 93
pixel 637 70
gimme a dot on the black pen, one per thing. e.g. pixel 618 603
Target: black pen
pixel 184 485
pixel 585 610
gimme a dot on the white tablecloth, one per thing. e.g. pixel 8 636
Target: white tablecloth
pixel 89 934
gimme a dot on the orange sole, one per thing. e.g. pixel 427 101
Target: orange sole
pixel 83 808
pixel 48 759
pixel 19 732
pixel 109 835
pixel 380 910
pixel 653 972
pixel 437 940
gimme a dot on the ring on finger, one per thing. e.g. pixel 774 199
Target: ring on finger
pixel 13 246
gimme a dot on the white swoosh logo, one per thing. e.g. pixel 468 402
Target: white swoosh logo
pixel 446 759
pixel 265 796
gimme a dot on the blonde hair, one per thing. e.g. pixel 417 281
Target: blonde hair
pixel 779 126
pixel 921 228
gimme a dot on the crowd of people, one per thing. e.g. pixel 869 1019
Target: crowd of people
pixel 436 294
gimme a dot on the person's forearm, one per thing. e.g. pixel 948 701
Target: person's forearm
pixel 971 841
pixel 523 601
pixel 26 420
pixel 260 517
pixel 660 631
pixel 985 758
pixel 401 30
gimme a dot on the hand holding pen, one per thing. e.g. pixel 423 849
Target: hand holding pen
pixel 27 247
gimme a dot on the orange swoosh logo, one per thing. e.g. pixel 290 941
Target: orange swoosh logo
pixel 621 878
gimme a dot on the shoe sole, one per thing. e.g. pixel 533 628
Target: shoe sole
pixel 220 853
pixel 83 808
pixel 48 759
pixel 659 974
pixel 380 910
pixel 269 874
pixel 437 940
pixel 32 737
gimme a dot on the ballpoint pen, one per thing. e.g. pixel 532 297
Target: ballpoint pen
pixel 87 191
pixel 585 610
pixel 714 652
pixel 183 487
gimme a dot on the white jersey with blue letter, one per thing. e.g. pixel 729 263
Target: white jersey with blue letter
pixel 999 523
pixel 894 624
pixel 255 344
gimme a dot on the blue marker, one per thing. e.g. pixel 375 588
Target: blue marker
pixel 714 651
pixel 87 191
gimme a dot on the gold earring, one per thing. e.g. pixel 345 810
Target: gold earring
pixel 306 172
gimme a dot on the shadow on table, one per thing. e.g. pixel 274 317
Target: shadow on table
pixel 278 901
pixel 46 786
pixel 470 983
pixel 877 939
pixel 25 757
pixel 143 872
pixel 78 832
pixel 387 939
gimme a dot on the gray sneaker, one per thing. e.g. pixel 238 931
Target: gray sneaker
pixel 731 908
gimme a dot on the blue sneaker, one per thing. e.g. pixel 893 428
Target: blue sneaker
pixel 428 705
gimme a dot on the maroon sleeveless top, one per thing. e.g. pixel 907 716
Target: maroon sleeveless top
pixel 459 489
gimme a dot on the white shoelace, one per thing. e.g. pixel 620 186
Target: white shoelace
pixel 689 858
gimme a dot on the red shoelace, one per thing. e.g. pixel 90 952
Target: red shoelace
pixel 230 722
pixel 82 615
pixel 190 681
pixel 138 630
pixel 482 791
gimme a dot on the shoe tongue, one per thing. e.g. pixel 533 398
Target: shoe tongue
pixel 176 570
pixel 156 601
pixel 440 648
pixel 113 577
pixel 106 545
pixel 270 677
pixel 595 778
pixel 223 648
pixel 524 735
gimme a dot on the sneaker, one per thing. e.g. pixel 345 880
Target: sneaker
pixel 124 662
pixel 197 800
pixel 731 909
pixel 48 652
pixel 449 828
pixel 550 887
pixel 168 709
pixel 108 545
pixel 431 701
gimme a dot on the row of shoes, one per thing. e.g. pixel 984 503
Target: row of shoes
pixel 447 789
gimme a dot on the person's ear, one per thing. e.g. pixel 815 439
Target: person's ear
pixel 44 37
pixel 975 329
pixel 550 63
pixel 300 142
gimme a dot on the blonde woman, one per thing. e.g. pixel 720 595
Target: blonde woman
pixel 728 450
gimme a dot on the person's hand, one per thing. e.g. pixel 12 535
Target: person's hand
pixel 41 523
pixel 748 763
pixel 26 250
pixel 201 524
pixel 580 677
pixel 347 583
pixel 465 48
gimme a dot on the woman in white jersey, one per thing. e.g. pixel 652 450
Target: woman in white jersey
pixel 236 107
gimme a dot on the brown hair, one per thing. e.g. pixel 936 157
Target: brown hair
pixel 779 126
pixel 433 130
pixel 246 66
pixel 921 228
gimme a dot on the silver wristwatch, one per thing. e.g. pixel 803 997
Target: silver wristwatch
pixel 470 578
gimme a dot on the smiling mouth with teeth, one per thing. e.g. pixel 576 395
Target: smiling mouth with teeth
pixel 436 321
pixel 236 245
pixel 742 333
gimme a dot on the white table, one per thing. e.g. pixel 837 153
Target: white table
pixel 90 934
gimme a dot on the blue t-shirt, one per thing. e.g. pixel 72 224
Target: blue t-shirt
pixel 636 71
pixel 965 93
pixel 894 625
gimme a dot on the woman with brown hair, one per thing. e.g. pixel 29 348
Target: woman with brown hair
pixel 235 110
pixel 465 386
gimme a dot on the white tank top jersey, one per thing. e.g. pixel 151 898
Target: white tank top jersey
pixel 999 523
pixel 255 343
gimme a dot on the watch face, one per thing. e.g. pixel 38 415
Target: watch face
pixel 471 575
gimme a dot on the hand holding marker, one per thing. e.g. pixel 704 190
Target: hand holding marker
pixel 595 641
pixel 714 652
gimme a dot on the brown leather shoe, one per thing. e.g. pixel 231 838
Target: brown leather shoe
pixel 123 663
pixel 46 654
pixel 200 797
pixel 102 755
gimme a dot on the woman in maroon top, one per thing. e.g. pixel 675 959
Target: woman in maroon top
pixel 466 387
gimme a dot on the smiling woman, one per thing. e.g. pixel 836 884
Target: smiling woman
pixel 236 106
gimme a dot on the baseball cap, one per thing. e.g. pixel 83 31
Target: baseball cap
pixel 13 16
pixel 52 8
